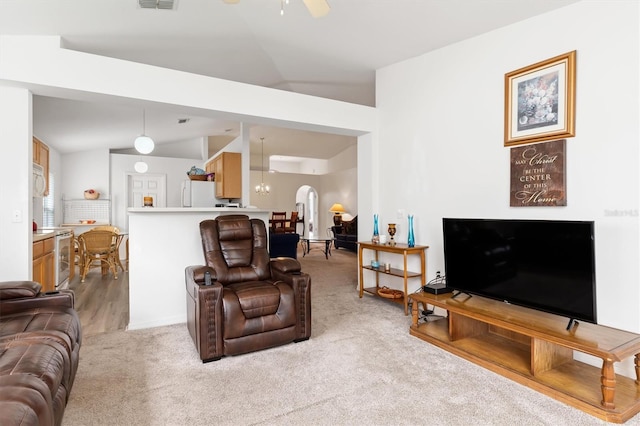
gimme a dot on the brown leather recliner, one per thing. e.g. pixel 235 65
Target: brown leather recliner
pixel 253 302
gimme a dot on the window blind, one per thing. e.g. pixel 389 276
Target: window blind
pixel 48 205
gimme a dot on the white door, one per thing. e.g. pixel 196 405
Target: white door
pixel 146 185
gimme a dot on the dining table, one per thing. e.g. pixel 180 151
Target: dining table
pixel 277 223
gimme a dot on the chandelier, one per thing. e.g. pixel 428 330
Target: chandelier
pixel 262 189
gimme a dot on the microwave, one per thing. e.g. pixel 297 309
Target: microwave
pixel 39 181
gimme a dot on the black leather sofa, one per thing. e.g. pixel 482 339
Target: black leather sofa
pixel 346 235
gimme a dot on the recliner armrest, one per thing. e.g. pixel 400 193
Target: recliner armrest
pixel 196 272
pixel 204 312
pixel 285 265
pixel 301 284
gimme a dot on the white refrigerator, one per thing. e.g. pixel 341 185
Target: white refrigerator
pixel 198 193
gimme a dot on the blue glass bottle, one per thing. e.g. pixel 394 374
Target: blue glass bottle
pixel 411 240
pixel 376 235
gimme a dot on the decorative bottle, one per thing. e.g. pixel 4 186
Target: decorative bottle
pixel 411 240
pixel 376 235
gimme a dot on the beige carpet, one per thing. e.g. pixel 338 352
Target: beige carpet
pixel 360 366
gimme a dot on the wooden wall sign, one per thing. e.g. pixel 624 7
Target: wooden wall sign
pixel 538 175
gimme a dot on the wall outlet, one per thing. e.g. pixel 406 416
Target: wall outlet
pixel 400 214
pixel 17 216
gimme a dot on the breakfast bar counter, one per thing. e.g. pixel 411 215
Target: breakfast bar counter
pixel 162 242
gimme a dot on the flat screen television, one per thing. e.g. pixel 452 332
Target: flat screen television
pixel 541 264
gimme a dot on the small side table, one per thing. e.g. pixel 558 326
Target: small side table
pixel 399 248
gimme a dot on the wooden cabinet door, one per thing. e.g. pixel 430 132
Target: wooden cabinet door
pixel 37 270
pixel 41 157
pixel 44 162
pixel 36 151
pixel 44 263
pixel 228 175
pixel 209 167
pixel 219 176
pixel 48 272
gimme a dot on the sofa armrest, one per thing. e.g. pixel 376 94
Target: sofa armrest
pixel 19 289
pixel 20 296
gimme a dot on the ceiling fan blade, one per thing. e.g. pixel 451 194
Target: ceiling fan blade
pixel 317 8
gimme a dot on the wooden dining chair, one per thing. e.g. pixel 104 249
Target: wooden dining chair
pixel 116 248
pixel 97 248
pixel 290 226
pixel 106 228
pixel 278 220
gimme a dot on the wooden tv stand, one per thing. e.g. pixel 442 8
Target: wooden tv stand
pixel 535 349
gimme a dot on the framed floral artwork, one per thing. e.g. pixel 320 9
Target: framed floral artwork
pixel 540 101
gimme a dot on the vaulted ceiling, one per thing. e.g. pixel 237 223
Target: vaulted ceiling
pixel 335 56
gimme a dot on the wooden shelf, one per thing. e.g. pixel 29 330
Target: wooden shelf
pixel 393 271
pixel 405 251
pixel 374 291
pixel 535 349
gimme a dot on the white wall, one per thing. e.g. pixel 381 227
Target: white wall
pixel 16 175
pixel 282 196
pixel 441 138
pixel 175 170
pixel 85 170
pixel 340 186
pixel 55 168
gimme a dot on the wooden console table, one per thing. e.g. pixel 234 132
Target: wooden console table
pixel 535 349
pixel 405 251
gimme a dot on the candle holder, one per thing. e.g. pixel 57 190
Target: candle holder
pixel 392 231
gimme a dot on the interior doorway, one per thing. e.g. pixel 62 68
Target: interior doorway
pixel 307 202
pixel 151 185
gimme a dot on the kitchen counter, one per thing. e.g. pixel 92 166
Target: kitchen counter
pixel 163 241
pixel 44 233
pixel 163 210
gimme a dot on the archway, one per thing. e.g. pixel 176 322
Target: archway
pixel 307 207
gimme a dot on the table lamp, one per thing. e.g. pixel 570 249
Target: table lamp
pixel 337 209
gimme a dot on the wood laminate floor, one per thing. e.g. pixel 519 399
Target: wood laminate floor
pixel 102 302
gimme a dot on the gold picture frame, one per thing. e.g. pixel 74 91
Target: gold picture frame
pixel 540 101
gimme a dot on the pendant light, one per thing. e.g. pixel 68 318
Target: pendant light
pixel 143 143
pixel 262 189
pixel 141 166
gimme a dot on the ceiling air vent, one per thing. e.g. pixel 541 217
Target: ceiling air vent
pixel 158 4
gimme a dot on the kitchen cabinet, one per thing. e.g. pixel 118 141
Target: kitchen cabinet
pixel 228 174
pixel 44 263
pixel 41 157
pixel 209 167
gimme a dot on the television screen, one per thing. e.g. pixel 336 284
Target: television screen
pixel 542 264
